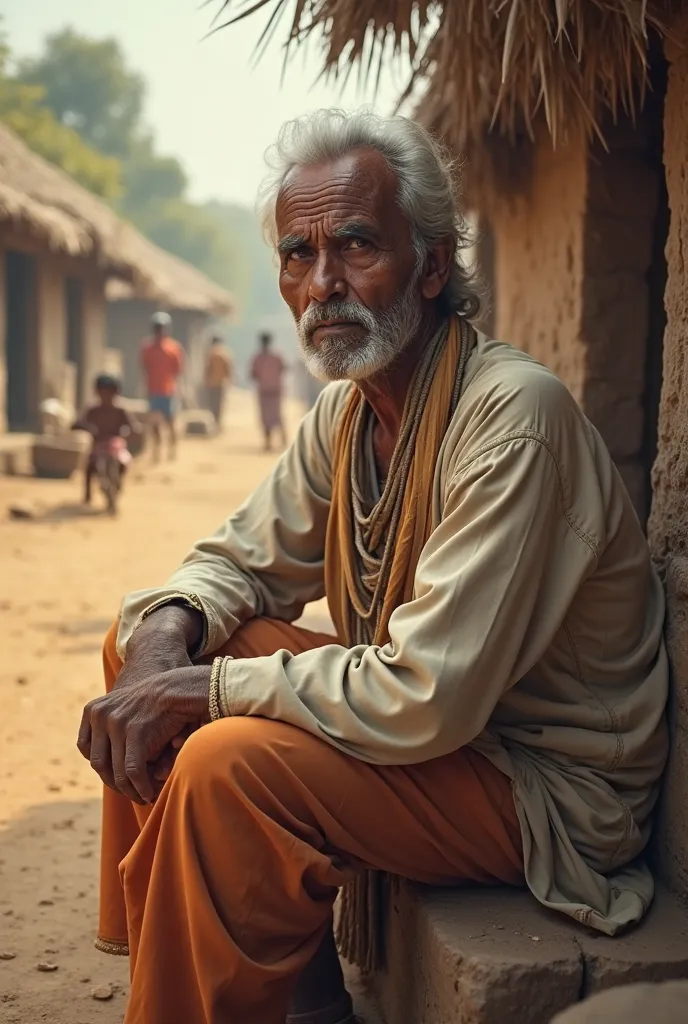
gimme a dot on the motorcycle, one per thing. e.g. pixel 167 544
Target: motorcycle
pixel 109 459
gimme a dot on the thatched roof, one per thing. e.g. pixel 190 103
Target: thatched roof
pixel 37 197
pixel 490 66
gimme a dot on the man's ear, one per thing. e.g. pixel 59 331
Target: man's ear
pixel 438 264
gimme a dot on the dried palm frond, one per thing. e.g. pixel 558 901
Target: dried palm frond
pixel 489 65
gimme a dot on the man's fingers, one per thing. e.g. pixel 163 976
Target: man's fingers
pixel 136 767
pixel 123 784
pixel 101 754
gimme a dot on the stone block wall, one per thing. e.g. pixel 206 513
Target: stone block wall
pixel 668 526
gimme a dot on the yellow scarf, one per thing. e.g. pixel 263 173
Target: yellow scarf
pixel 359 920
pixel 415 525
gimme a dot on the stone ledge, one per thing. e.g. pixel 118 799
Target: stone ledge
pixel 16 454
pixel 489 956
pixel 632 1004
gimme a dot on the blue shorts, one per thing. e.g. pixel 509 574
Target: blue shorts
pixel 164 404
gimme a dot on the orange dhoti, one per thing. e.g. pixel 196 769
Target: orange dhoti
pixel 224 889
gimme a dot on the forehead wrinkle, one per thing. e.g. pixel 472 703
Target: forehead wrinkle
pixel 329 198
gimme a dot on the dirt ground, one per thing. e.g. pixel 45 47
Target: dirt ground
pixel 62 575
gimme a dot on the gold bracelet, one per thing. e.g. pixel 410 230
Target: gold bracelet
pixel 214 708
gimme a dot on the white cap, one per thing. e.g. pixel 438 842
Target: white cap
pixel 161 320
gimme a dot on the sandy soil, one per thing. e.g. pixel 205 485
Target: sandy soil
pixel 61 579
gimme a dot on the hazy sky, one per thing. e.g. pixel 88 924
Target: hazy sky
pixel 206 102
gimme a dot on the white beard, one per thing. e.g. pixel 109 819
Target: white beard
pixel 342 357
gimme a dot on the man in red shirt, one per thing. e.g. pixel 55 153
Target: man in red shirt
pixel 162 360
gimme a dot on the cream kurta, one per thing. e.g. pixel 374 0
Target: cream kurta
pixel 535 632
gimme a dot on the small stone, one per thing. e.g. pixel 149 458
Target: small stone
pixel 535 938
pixel 45 967
pixel 85 981
pixel 51 952
pixel 54 788
pixel 46 903
pixel 21 680
pixel 21 512
pixel 103 993
pixel 7 956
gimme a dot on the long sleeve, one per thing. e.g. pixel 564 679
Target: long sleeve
pixel 492 588
pixel 268 557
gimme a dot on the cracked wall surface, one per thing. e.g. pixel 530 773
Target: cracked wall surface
pixel 668 527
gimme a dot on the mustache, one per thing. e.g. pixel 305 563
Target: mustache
pixel 346 312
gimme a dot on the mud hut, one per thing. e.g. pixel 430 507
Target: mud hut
pixel 59 246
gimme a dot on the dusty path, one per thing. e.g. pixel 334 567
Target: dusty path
pixel 61 579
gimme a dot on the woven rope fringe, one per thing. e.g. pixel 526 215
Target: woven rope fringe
pixel 359 931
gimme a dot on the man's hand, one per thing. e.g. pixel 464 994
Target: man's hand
pixel 124 733
pixel 161 643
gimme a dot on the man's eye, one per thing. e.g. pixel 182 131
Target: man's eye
pixel 358 243
pixel 301 253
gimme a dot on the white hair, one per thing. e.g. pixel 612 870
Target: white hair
pixel 426 188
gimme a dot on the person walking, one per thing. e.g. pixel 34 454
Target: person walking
pixel 219 374
pixel 162 361
pixel 267 371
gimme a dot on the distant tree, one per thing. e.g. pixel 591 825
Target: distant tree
pixel 188 230
pixel 89 87
pixel 150 176
pixel 23 110
pixel 254 276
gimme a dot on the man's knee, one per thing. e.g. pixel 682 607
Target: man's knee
pixel 233 749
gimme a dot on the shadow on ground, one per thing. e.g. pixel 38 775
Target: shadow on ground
pixel 48 908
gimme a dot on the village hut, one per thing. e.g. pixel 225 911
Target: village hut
pixel 59 246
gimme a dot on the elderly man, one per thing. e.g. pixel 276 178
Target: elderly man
pixel 492 707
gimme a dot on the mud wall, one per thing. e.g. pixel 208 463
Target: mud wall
pixel 668 527
pixel 572 264
pixel 539 259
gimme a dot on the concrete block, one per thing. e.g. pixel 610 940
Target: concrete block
pixel 656 951
pixel 475 956
pixel 632 1004
pixel 486 956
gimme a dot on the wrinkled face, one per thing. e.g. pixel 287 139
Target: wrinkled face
pixel 348 266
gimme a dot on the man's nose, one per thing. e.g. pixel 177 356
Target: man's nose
pixel 326 280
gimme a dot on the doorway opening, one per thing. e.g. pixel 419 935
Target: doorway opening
pixel 20 343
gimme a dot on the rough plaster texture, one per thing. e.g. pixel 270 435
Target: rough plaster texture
pixel 95 331
pixel 539 264
pixel 632 1004
pixel 471 956
pixel 668 527
pixel 572 259
pixel 622 201
pixel 51 326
